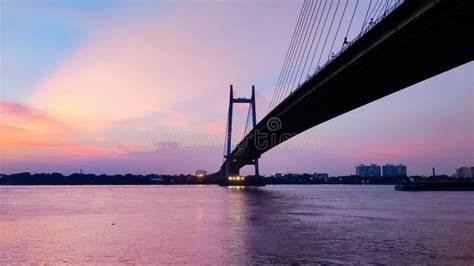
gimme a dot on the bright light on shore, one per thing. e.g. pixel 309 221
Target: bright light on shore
pixel 236 178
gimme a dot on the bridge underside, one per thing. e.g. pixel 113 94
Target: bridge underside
pixel 419 40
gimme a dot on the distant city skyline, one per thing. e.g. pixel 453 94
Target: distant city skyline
pixel 82 88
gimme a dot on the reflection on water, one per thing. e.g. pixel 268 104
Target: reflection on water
pixel 234 225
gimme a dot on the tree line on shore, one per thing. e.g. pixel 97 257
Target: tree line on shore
pixel 26 178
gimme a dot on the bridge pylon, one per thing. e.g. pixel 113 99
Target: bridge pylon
pixel 231 172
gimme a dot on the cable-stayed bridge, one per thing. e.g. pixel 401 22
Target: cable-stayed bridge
pixel 344 54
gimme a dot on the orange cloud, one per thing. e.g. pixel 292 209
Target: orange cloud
pixel 20 123
pixel 29 132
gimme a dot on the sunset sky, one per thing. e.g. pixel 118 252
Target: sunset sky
pixel 142 87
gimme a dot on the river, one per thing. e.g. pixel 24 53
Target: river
pixel 221 225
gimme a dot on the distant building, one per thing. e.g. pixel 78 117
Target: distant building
pixel 372 170
pixel 156 179
pixel 201 174
pixel 390 170
pixel 320 175
pixel 465 172
pixel 279 176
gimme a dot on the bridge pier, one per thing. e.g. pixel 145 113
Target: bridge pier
pixel 230 176
pixel 231 170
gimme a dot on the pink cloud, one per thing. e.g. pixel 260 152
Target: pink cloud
pixel 74 149
pixel 16 111
pixel 21 123
pixel 214 128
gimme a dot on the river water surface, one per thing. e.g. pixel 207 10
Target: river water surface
pixel 220 225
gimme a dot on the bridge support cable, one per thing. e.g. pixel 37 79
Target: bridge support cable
pixel 370 19
pixel 329 31
pixel 229 123
pixel 320 16
pixel 315 36
pixel 290 73
pixel 365 18
pixel 305 41
pixel 372 13
pixel 377 11
pixel 374 9
pixel 337 31
pixel 287 55
pixel 319 39
pixel 239 121
pixel 224 153
pixel 386 7
pixel 346 42
pixel 247 120
pixel 290 84
pixel 291 54
pixel 383 10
